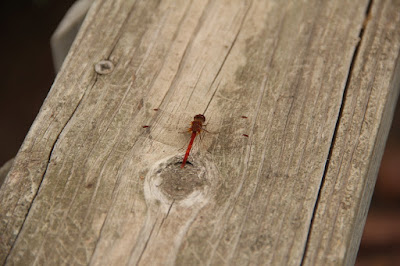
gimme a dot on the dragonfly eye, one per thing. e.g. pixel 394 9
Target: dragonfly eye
pixel 200 117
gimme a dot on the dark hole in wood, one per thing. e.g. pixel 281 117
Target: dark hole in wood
pixel 180 163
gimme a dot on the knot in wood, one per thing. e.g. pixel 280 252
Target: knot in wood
pixel 178 183
pixel 167 182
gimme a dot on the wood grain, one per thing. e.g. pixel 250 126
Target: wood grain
pixel 359 142
pixel 317 82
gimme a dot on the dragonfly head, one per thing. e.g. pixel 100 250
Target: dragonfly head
pixel 201 118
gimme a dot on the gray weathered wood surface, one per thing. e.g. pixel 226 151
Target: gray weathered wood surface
pixel 317 81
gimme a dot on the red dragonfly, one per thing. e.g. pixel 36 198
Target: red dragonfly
pixel 196 127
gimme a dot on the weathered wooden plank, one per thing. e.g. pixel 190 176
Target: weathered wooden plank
pixel 360 139
pixel 107 191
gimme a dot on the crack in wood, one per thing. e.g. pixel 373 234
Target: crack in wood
pixel 146 243
pixel 47 166
pixel 334 136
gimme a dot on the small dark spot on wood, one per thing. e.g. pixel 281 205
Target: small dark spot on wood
pixel 145 126
pixel 180 163
pixel 104 67
pixel 245 135
pixel 90 185
pixel 259 243
pixel 243 116
pixel 140 105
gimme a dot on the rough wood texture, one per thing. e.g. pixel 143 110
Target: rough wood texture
pixel 90 185
pixel 359 142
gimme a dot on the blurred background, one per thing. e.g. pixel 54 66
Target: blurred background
pixel 27 74
pixel 27 70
